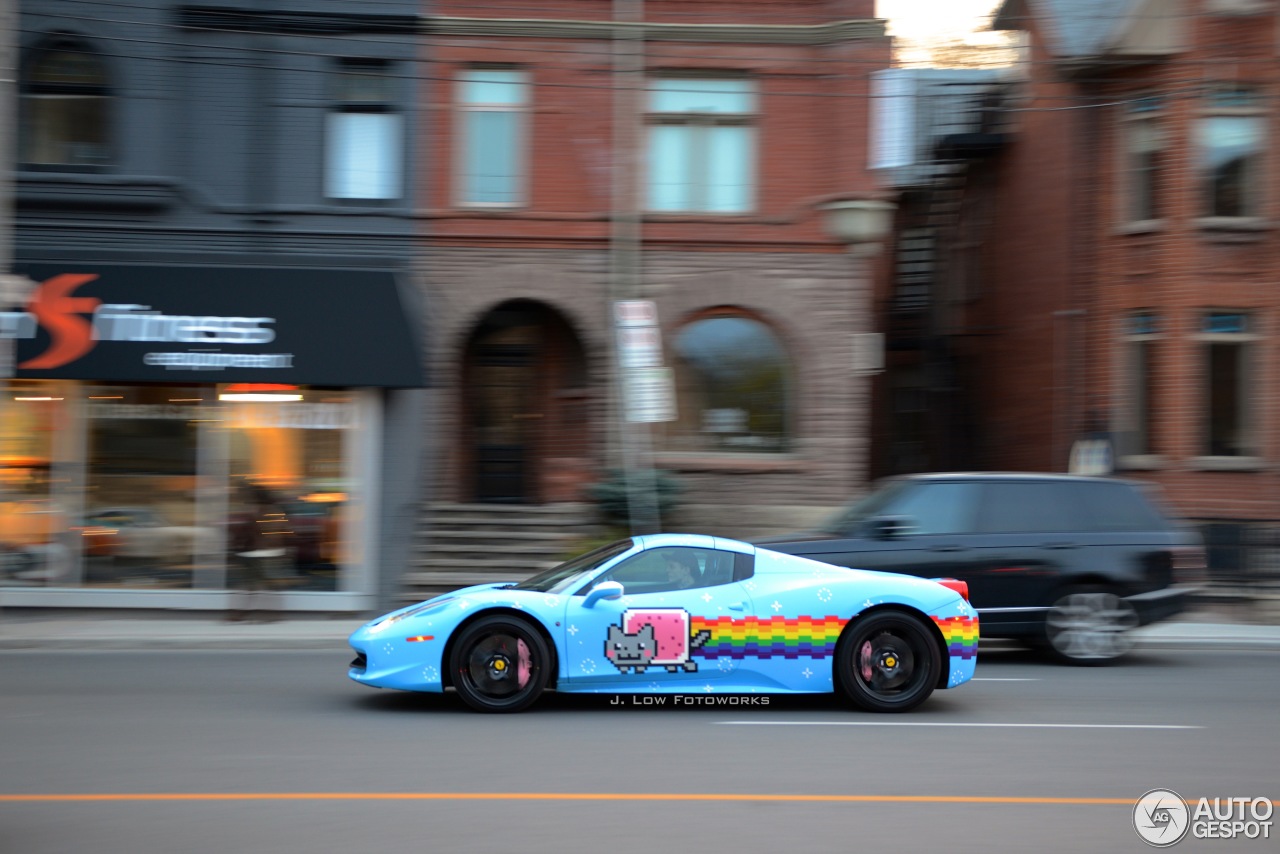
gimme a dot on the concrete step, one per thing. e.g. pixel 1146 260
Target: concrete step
pixel 511 562
pixel 452 535
pixel 454 580
pixel 458 545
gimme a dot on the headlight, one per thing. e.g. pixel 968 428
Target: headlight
pixel 397 616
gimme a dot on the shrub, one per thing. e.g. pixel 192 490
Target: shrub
pixel 613 497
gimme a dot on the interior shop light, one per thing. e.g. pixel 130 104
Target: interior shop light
pixel 260 392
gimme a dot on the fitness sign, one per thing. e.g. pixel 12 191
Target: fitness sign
pixel 75 325
pixel 215 324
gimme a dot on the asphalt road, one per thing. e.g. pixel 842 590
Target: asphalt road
pixel 247 752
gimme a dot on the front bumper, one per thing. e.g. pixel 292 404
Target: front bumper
pixel 395 662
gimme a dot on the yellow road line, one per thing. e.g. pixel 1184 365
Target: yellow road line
pixel 557 796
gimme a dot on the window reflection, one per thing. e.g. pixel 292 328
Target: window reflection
pixel 34 547
pixel 1232 144
pixel 733 387
pixel 65 105
pixel 167 487
pixel 289 491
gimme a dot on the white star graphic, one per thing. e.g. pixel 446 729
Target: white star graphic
pixel 777 606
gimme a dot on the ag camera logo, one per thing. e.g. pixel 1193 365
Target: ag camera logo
pixel 1161 818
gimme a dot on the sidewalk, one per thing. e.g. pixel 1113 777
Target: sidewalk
pixel 1208 627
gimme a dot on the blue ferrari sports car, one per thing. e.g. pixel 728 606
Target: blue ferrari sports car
pixel 680 614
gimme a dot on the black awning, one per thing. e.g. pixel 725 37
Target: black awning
pixel 138 323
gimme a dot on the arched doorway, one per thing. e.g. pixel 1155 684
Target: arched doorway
pixel 526 431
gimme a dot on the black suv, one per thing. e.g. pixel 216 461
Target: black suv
pixel 1071 562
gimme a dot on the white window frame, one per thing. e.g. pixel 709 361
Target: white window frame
pixel 1144 133
pixel 703 124
pixel 385 182
pixel 1253 203
pixel 1247 410
pixel 75 155
pixel 1137 410
pixel 518 142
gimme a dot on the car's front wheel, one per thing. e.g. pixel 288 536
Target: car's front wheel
pixel 887 661
pixel 500 664
pixel 1089 625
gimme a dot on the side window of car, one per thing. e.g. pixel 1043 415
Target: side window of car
pixel 1116 507
pixel 677 568
pixel 936 508
pixel 1011 507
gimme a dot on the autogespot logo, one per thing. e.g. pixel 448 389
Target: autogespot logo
pixel 1161 818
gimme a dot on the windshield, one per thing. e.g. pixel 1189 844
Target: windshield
pixel 870 505
pixel 560 578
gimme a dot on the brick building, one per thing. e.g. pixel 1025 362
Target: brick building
pixel 1107 269
pixel 675 153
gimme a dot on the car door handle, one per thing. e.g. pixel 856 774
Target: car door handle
pixel 951 548
pixel 737 606
pixel 1058 545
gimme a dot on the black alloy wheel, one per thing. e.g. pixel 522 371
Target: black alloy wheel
pixel 887 661
pixel 500 664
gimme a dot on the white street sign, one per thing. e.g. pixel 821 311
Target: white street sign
pixel 650 395
pixel 640 346
pixel 635 312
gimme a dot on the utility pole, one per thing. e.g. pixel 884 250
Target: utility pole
pixel 624 252
pixel 9 287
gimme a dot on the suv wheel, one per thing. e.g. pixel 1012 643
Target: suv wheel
pixel 1089 625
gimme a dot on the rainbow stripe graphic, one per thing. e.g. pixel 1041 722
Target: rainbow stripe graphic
pixel 961 635
pixel 771 637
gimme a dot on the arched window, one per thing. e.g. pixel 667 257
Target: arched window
pixel 733 387
pixel 65 108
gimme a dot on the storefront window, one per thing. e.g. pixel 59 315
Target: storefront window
pixel 288 488
pixel 140 525
pixel 33 544
pixel 175 487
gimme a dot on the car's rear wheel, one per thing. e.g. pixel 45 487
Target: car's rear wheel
pixel 500 664
pixel 887 661
pixel 1089 625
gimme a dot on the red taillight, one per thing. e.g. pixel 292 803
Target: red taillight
pixel 961 587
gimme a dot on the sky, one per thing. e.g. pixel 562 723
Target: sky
pixel 929 19
pixel 915 24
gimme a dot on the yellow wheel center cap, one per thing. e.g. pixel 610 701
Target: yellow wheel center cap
pixel 890 661
pixel 499 665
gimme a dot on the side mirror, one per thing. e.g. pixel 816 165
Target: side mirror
pixel 888 527
pixel 603 590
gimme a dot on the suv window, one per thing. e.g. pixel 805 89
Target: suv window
pixel 925 507
pixel 1116 507
pixel 1029 507
pixel 935 508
